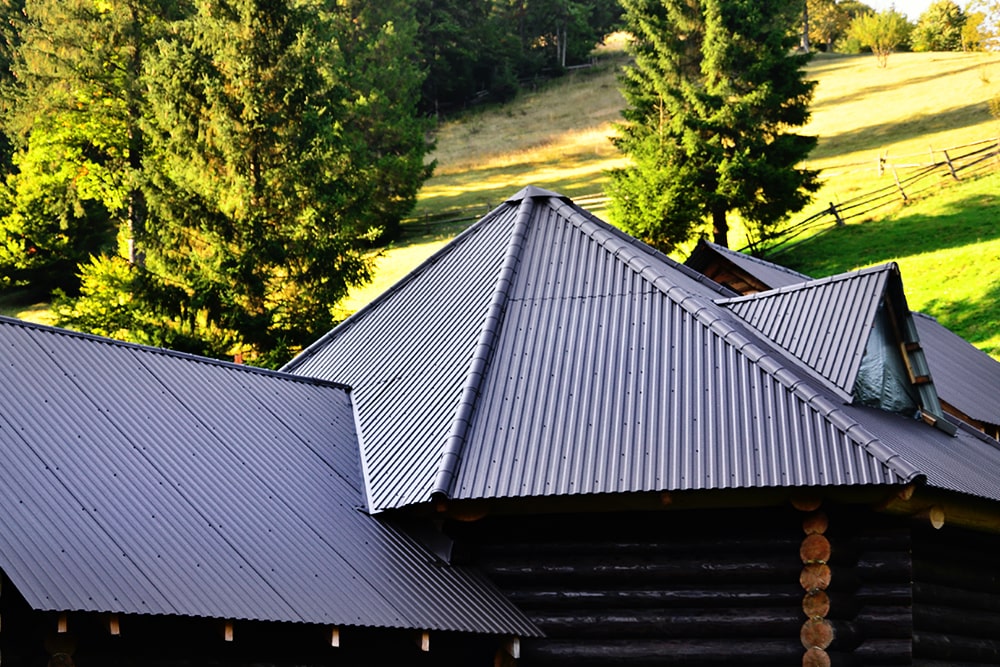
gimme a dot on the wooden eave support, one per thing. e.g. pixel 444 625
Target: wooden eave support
pixel 941 507
pixel 335 637
pixel 513 647
pixel 114 626
pixel 62 624
pixel 227 631
pixel 424 641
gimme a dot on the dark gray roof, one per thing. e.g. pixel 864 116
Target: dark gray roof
pixel 823 323
pixel 136 480
pixel 592 365
pixel 768 273
pixel 966 377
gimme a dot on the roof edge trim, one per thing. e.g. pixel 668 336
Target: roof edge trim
pixel 451 453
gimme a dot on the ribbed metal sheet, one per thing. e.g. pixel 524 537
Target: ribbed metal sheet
pixel 968 463
pixel 965 377
pixel 407 355
pixel 824 323
pixel 600 366
pixel 768 273
pixel 609 376
pixel 139 481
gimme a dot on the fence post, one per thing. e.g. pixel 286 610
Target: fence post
pixel 951 167
pixel 899 185
pixel 836 214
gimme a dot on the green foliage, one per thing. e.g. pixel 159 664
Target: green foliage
pixel 940 28
pixel 711 97
pixel 829 20
pixel 882 32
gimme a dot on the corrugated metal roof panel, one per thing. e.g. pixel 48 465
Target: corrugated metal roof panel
pixel 823 323
pixel 968 463
pixel 768 273
pixel 965 377
pixel 408 355
pixel 602 382
pixel 140 481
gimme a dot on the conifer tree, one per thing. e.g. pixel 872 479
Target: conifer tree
pixel 712 98
pixel 277 152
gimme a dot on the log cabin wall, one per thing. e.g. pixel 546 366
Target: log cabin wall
pixel 956 609
pixel 706 587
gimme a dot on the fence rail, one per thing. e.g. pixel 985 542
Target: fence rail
pixel 909 179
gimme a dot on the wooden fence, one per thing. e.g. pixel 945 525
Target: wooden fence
pixel 909 179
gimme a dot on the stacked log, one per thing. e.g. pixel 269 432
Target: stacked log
pixel 817 632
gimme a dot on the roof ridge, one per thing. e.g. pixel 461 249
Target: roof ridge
pixel 451 453
pixel 435 257
pixel 813 283
pixel 167 352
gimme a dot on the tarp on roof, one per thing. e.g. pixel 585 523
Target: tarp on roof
pixel 140 481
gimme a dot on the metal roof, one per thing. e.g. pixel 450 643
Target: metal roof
pixel 136 480
pixel 823 323
pixel 965 376
pixel 768 273
pixel 597 366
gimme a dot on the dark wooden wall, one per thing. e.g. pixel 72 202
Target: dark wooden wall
pixel 956 582
pixel 706 587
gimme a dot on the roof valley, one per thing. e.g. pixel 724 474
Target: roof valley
pixel 451 454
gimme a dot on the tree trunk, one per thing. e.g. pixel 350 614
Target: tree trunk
pixel 720 228
pixel 805 29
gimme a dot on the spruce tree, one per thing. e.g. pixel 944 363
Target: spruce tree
pixel 712 96
pixel 277 152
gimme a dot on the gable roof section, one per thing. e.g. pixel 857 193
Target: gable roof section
pixel 140 481
pixel 824 323
pixel 598 365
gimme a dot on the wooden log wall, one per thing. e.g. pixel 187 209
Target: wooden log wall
pixel 708 587
pixel 956 607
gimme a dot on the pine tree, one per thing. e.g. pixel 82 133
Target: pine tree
pixel 711 98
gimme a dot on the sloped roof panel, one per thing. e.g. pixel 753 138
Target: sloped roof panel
pixel 823 323
pixel 407 356
pixel 603 382
pixel 968 462
pixel 140 481
pixel 965 376
pixel 770 274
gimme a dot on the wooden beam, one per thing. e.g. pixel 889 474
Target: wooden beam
pixel 973 513
pixel 513 647
pixel 62 625
pixel 424 641
pixel 227 631
pixel 335 637
pixel 113 625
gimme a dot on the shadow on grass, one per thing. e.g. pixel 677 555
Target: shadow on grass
pixel 966 221
pixel 873 137
pixel 972 318
pixel 872 91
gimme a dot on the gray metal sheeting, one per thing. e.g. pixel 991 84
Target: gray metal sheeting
pixel 140 481
pixel 965 376
pixel 968 463
pixel 823 323
pixel 770 274
pixel 612 370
